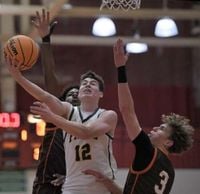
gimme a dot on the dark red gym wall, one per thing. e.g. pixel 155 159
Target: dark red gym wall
pixel 160 82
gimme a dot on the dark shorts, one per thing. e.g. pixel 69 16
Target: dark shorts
pixel 46 188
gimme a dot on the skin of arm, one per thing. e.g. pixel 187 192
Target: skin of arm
pixel 126 106
pixel 42 24
pixel 53 102
pixel 127 109
pixel 105 123
pixel 107 182
pixel 126 103
pixel 51 81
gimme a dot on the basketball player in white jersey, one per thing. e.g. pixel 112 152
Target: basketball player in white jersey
pixel 88 134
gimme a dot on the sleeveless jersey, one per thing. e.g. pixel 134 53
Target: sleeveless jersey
pixel 95 153
pixel 157 178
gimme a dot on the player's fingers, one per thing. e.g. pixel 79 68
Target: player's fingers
pixel 55 175
pixel 32 110
pixel 11 62
pixel 35 23
pixel 48 17
pixel 35 109
pixel 38 17
pixel 115 49
pixel 14 63
pixel 120 46
pixel 37 103
pixel 43 15
pixel 53 183
pixel 7 60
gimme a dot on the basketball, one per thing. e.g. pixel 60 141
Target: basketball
pixel 23 49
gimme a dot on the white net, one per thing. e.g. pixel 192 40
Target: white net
pixel 120 4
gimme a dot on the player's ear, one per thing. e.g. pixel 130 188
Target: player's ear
pixel 101 94
pixel 169 143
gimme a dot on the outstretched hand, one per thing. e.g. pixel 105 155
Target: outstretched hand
pixel 43 110
pixel 42 23
pixel 120 57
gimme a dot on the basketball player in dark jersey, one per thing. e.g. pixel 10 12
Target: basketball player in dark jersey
pixel 50 173
pixel 151 171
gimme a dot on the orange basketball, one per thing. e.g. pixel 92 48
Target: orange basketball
pixel 23 49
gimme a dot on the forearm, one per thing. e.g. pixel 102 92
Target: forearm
pixel 73 128
pixel 32 88
pixel 124 94
pixel 126 103
pixel 48 63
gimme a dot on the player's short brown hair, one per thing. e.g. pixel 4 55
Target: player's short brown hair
pixel 93 75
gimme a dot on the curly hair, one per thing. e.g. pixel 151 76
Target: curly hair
pixel 93 75
pixel 182 132
pixel 66 90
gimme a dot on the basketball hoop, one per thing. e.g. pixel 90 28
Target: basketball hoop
pixel 120 4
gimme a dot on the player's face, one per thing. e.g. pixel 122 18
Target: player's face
pixel 160 136
pixel 72 97
pixel 89 87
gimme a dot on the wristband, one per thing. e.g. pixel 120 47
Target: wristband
pixel 121 73
pixel 46 39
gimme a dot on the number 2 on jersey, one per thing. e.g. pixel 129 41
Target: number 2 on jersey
pixel 83 152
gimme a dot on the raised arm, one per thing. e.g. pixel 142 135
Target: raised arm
pixel 126 104
pixel 45 29
pixel 53 102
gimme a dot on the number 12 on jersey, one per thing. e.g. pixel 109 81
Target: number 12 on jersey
pixel 83 152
